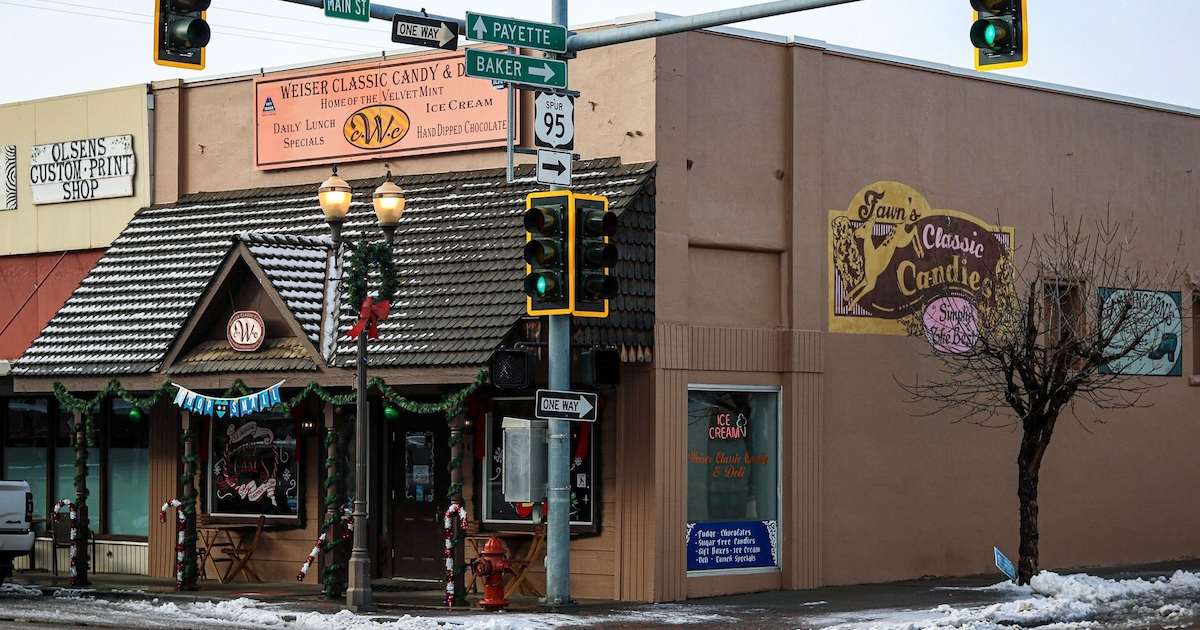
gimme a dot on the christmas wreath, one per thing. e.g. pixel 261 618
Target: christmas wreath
pixel 362 258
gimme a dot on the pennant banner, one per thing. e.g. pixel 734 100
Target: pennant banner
pixel 219 407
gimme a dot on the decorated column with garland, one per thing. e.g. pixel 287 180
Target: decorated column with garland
pixel 82 433
pixel 333 568
pixel 188 509
pixel 455 418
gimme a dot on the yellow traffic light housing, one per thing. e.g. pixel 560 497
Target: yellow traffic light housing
pixel 999 34
pixel 547 283
pixel 181 33
pixel 592 255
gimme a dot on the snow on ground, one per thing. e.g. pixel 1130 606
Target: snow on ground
pixel 1051 602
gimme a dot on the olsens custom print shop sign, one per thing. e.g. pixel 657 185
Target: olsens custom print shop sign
pixel 405 106
pixel 893 258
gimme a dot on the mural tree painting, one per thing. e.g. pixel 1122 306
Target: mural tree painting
pixel 1079 325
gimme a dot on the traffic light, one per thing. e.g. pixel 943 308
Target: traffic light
pixel 180 33
pixel 547 243
pixel 592 256
pixel 999 34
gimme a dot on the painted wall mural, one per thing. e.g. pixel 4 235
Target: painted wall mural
pixel 8 175
pixel 894 258
pixel 1159 353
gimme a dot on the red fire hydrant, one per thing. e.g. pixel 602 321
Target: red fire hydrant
pixel 491 566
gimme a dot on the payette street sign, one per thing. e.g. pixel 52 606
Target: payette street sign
pixel 519 33
pixel 422 31
pixel 558 405
pixel 483 64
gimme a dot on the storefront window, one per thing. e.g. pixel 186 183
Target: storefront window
pixel 582 473
pixel 733 477
pixel 128 473
pixel 26 439
pixel 64 464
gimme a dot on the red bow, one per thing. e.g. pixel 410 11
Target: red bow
pixel 369 316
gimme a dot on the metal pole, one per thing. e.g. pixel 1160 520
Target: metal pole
pixel 558 456
pixel 358 593
pixel 607 37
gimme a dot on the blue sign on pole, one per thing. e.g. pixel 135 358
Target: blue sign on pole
pixel 1005 565
pixel 731 545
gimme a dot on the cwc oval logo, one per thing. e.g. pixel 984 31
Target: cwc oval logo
pixel 376 127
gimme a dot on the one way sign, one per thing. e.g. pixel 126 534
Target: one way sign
pixel 427 32
pixel 553 167
pixel 557 405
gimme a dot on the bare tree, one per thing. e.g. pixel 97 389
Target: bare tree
pixel 1077 326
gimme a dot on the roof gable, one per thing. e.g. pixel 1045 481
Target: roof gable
pixel 282 278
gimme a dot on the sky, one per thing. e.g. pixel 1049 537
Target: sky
pixel 1063 602
pixel 51 48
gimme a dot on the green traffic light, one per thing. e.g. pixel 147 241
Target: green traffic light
pixel 989 35
pixel 542 286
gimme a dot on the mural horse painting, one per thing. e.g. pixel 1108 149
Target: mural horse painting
pixel 877 258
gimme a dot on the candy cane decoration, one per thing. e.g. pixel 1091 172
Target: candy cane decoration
pixel 446 524
pixel 181 527
pixel 312 555
pixel 74 532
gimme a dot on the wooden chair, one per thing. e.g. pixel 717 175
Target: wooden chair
pixel 241 554
pixel 520 567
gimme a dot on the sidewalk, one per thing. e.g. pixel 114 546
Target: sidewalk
pixel 763 611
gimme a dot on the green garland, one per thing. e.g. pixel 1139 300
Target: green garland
pixel 360 260
pixel 331 574
pixel 190 472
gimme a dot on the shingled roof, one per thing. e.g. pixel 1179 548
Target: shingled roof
pixel 457 249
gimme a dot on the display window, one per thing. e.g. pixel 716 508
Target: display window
pixel 254 466
pixel 733 479
pixel 497 511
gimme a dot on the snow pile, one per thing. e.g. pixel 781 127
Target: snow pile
pixel 1057 602
pixel 8 588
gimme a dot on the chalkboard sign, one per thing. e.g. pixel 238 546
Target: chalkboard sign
pixel 254 467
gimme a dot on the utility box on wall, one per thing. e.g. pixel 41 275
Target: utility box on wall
pixel 524 460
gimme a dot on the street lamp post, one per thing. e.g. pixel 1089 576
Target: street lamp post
pixel 388 200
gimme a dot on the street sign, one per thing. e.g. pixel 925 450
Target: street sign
pixel 558 405
pixel 554 167
pixel 423 31
pixel 519 33
pixel 554 121
pixel 349 9
pixel 483 64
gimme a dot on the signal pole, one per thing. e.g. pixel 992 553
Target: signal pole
pixel 558 456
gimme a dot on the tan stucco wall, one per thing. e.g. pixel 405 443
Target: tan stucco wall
pixel 81 224
pixel 901 496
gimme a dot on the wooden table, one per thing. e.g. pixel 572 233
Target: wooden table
pixel 523 547
pixel 235 542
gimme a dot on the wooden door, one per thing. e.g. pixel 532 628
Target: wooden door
pixel 417 485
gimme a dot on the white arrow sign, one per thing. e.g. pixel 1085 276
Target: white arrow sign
pixel 559 405
pixel 553 167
